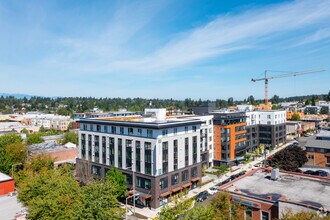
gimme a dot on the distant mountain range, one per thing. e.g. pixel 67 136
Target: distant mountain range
pixel 16 95
pixel 21 96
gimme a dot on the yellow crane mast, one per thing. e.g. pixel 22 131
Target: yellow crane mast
pixel 267 78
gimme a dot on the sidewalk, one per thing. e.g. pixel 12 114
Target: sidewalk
pixel 243 167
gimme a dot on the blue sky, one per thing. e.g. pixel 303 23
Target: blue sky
pixel 164 48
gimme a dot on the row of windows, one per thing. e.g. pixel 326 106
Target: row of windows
pixel 163 183
pixel 130 130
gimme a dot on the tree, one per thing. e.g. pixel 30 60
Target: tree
pixel 203 212
pixel 230 101
pixel 324 110
pixel 307 102
pixel 42 129
pixel 35 139
pixel 295 117
pixel 63 111
pixel 116 178
pixel 276 107
pixel 224 208
pixel 70 136
pixel 50 194
pixel 100 202
pixel 39 162
pixel 25 131
pixel 250 100
pixel 328 96
pixel 275 99
pixel 179 209
pixel 10 144
pixel 289 159
pixel 303 215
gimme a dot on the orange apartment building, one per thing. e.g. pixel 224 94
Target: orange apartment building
pixel 229 136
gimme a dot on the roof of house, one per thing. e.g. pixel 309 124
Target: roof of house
pixel 295 188
pixel 4 177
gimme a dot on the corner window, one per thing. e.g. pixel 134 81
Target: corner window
pixel 264 215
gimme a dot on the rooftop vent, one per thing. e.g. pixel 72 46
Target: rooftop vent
pixel 275 174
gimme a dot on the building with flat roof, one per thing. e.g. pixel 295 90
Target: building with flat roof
pixel 161 154
pixel 7 184
pixel 318 150
pixel 267 199
pixel 229 136
pixel 265 127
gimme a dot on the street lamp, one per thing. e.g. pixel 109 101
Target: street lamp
pixel 133 176
pixel 12 168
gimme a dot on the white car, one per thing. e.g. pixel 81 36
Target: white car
pixel 213 190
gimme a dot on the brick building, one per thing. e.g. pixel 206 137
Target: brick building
pixel 318 150
pixel 267 199
pixel 7 184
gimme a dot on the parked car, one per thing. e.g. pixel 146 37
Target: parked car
pixel 321 173
pixel 202 196
pixel 310 172
pixel 213 190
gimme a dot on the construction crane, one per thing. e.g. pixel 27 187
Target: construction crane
pixel 266 78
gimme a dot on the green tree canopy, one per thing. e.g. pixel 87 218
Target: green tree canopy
pixel 295 117
pixel 116 178
pixel 70 136
pixel 324 110
pixel 35 139
pixel 11 148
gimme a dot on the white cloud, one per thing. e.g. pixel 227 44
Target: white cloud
pixel 225 34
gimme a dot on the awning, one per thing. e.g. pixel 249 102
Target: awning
pixel 186 185
pixel 176 189
pixel 195 179
pixel 143 195
pixel 164 194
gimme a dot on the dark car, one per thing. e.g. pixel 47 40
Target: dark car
pixel 310 172
pixel 202 196
pixel 321 173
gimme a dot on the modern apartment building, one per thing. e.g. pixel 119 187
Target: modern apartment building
pixel 265 127
pixel 229 136
pixel 162 154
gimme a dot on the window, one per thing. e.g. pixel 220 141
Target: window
pixel 310 157
pixel 129 154
pixel 104 150
pixel 112 151
pixel 163 183
pixel 149 133
pixel 175 179
pixel 139 131
pixel 138 156
pixel 113 129
pixel 194 172
pixel 143 183
pixel 96 170
pixel 130 131
pixel 194 128
pixel 91 127
pixel 105 129
pixel 84 127
pixel 248 213
pixel 120 152
pixel 186 129
pixel 268 116
pixel 185 175
pixel 98 128
pixel 121 130
pixel 129 179
pixel 97 148
pixel 268 122
pixel 210 130
pixel 175 131
pixel 83 145
pixel 165 157
pixel 89 147
pixel 186 151
pixel 264 215
pixel 165 132
pixel 175 148
pixel 147 157
pixel 194 149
